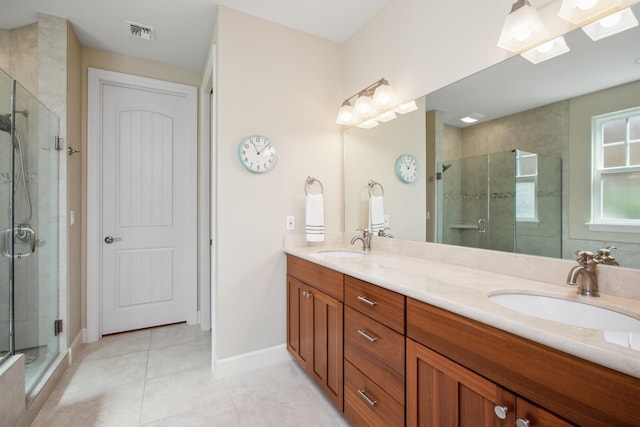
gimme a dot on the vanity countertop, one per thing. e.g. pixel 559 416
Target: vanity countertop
pixel 465 291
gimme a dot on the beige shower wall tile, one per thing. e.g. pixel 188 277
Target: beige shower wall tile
pixel 5 49
pixel 24 57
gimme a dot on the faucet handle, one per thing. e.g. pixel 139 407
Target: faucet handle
pixel 604 256
pixel 584 257
pixel 364 231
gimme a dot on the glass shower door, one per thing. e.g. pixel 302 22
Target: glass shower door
pixel 6 174
pixel 35 242
pixel 464 200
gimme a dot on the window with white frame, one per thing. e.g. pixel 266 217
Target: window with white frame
pixel 526 186
pixel 616 171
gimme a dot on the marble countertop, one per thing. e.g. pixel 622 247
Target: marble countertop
pixel 465 291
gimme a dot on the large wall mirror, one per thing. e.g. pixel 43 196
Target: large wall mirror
pixel 519 178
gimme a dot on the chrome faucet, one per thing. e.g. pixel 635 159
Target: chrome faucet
pixel 365 238
pixel 586 270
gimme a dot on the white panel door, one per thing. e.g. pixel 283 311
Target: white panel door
pixel 149 208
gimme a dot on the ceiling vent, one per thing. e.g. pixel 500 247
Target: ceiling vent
pixel 144 32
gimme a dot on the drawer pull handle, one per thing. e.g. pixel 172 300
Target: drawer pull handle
pixel 367 300
pixel 501 411
pixel 368 337
pixel 307 294
pixel 523 422
pixel 363 394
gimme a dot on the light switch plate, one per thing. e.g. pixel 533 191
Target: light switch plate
pixel 291 223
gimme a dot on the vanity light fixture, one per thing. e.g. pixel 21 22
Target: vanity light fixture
pixel 610 25
pixel 547 50
pixel 407 107
pixel 371 104
pixel 522 28
pixel 386 116
pixel 368 124
pixel 582 11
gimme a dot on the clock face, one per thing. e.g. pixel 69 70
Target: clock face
pixel 257 153
pixel 407 168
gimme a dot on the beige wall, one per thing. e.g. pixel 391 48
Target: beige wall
pixel 286 85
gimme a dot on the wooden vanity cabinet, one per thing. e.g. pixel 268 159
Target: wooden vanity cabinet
pixel 468 358
pixel 315 324
pixel 443 393
pixel 374 355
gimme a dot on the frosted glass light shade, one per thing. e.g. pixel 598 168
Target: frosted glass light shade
pixel 547 50
pixel 580 11
pixel 522 28
pixel 363 106
pixel 368 124
pixel 407 107
pixel 387 116
pixel 346 116
pixel 384 97
pixel 610 25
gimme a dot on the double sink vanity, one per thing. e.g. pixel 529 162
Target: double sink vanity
pixel 398 336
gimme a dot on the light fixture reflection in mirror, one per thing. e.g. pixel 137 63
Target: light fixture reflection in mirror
pixel 610 25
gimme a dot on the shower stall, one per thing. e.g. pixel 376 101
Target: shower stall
pixel 29 238
pixel 508 201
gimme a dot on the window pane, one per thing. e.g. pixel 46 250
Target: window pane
pixel 526 200
pixel 634 154
pixel 528 165
pixel 621 196
pixel 614 131
pixel 613 156
pixel 634 128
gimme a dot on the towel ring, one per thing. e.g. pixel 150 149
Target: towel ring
pixel 310 181
pixel 372 185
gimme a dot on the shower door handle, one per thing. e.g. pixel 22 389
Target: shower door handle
pixel 111 239
pixel 21 232
pixel 481 226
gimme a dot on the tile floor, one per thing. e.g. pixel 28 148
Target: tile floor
pixel 162 377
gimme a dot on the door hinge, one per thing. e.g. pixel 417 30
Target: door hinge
pixel 57 327
pixel 58 143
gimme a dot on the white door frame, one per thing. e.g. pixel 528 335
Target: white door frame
pixel 96 80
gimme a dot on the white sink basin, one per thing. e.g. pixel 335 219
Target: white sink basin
pixel 339 254
pixel 568 312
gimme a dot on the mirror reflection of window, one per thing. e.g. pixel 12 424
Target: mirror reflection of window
pixel 526 186
pixel 616 168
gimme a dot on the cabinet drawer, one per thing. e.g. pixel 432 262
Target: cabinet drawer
pixel 383 305
pixel 375 350
pixel 362 412
pixel 324 279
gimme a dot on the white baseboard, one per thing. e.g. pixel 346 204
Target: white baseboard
pixel 251 361
pixel 76 346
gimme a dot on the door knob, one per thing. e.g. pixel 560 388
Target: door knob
pixel 111 239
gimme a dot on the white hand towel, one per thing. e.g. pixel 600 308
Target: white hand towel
pixel 315 218
pixel 376 214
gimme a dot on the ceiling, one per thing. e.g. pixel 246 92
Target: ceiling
pixel 183 28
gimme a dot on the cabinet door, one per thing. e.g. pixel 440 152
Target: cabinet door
pixel 441 393
pixel 327 365
pixel 537 416
pixel 299 322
